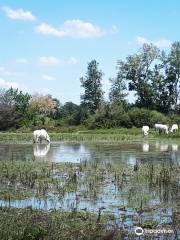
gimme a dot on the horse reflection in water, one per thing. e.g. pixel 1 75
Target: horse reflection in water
pixel 174 147
pixel 145 147
pixel 162 147
pixel 41 150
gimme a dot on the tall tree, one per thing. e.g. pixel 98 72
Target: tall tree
pixel 172 70
pixel 117 92
pixel 18 99
pixel 8 117
pixel 161 96
pixel 137 70
pixel 93 94
pixel 15 101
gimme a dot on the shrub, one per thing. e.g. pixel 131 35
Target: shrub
pixel 8 117
pixel 140 117
pixel 157 117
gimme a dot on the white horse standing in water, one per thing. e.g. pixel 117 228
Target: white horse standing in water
pixel 39 135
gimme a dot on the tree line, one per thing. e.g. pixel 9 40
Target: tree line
pixel 153 75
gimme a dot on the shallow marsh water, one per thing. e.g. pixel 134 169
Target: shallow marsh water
pixel 77 152
pixel 147 190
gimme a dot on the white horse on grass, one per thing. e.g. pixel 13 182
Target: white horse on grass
pixel 162 128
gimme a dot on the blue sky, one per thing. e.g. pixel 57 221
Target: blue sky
pixel 45 45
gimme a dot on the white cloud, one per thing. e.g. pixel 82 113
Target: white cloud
pixel 50 60
pixel 48 77
pixel 72 61
pixel 2 69
pixel 47 29
pixel 22 60
pixel 18 14
pixel 6 84
pixel 71 28
pixel 5 72
pixel 159 43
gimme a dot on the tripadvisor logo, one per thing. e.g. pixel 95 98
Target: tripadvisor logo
pixel 140 231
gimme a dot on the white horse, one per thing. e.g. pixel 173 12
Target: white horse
pixel 162 128
pixel 39 135
pixel 174 128
pixel 145 130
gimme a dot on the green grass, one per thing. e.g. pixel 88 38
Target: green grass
pixel 102 135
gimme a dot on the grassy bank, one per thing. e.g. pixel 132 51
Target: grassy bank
pixel 107 135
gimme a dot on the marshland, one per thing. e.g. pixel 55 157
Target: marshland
pixel 94 188
pixel 89 120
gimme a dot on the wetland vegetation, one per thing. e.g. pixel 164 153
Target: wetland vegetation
pixel 89 191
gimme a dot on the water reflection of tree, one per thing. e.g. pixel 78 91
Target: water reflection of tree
pixel 11 152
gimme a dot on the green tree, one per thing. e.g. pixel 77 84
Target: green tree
pixel 165 80
pixel 117 92
pixel 14 97
pixel 70 112
pixel 57 113
pixel 137 70
pixel 162 100
pixel 8 115
pixel 69 108
pixel 17 102
pixel 93 94
pixel 172 71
